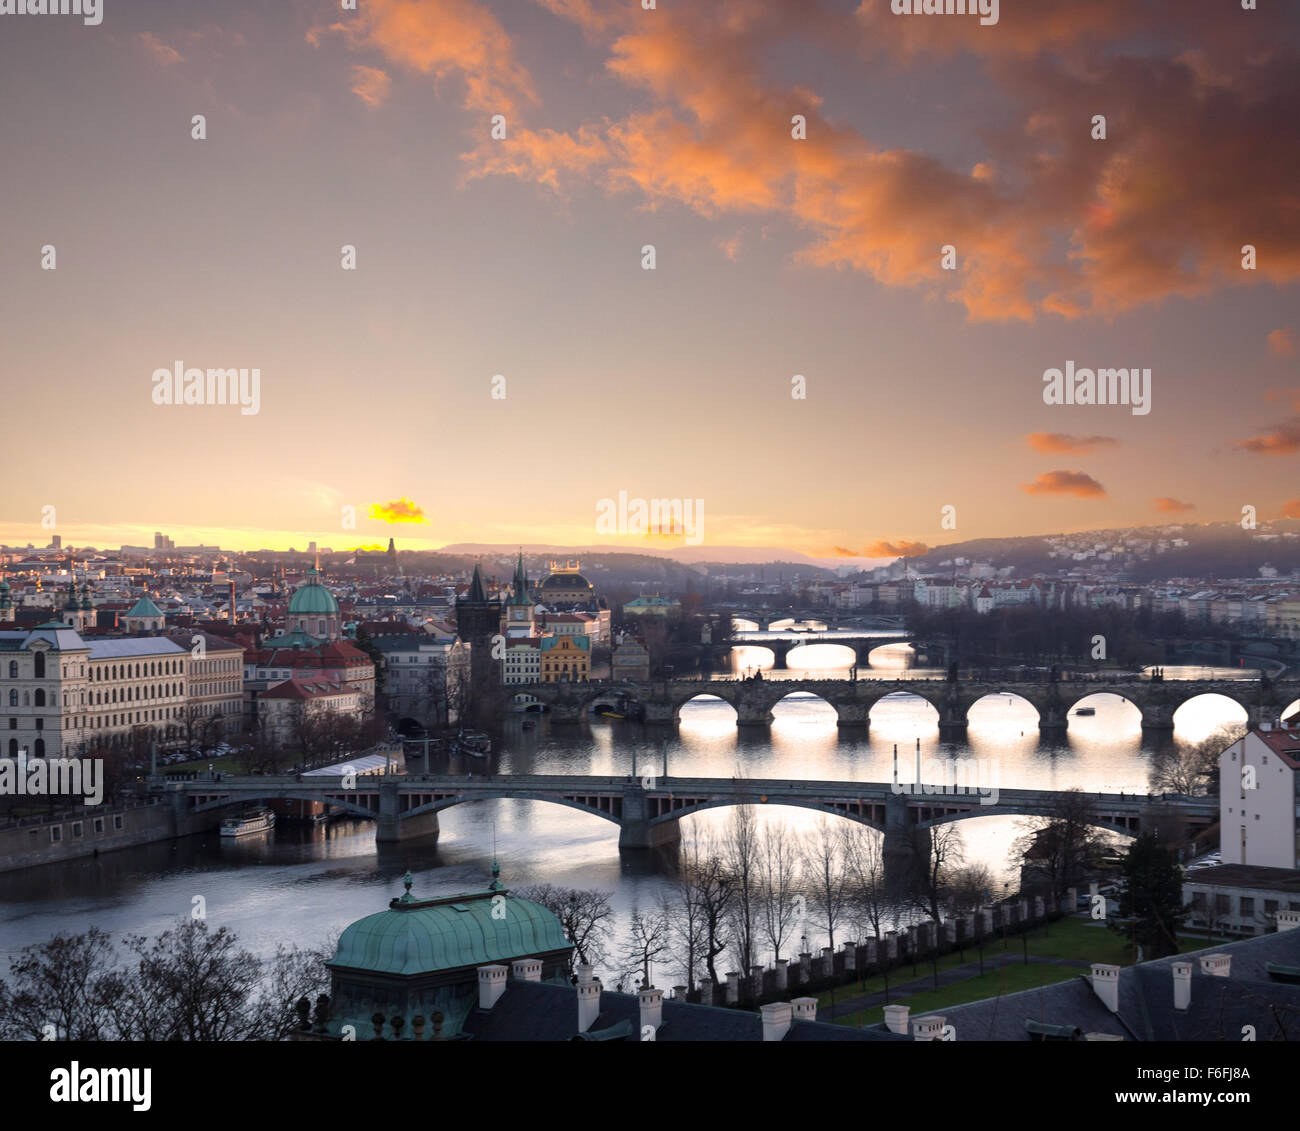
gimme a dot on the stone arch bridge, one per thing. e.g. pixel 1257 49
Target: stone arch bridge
pixel 648 808
pixel 853 700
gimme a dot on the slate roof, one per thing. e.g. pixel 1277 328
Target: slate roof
pixel 543 1011
pixel 1219 1008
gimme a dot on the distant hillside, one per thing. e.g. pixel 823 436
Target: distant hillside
pixel 1220 549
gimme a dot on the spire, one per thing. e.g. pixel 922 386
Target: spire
pixel 520 595
pixel 477 592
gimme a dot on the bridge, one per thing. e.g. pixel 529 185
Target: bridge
pixel 781 644
pixel 649 807
pixel 853 700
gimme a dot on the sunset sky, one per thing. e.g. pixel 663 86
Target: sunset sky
pixel 522 257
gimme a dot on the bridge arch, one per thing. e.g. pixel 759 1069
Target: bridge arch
pixel 272 793
pixel 1207 711
pixel 612 813
pixel 986 702
pixel 1014 811
pixel 861 818
pixel 898 698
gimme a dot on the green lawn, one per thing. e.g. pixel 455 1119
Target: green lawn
pixel 1076 939
pixel 1007 980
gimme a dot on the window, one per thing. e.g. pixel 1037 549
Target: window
pixel 99 824
pixel 76 828
pixel 1247 905
pixel 1270 906
pixel 56 834
pixel 40 697
pixel 117 821
pixel 13 697
pixel 13 669
pixel 40 665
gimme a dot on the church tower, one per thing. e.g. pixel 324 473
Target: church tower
pixel 478 620
pixel 519 610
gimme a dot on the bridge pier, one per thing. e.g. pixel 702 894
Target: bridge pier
pixel 390 828
pixel 635 829
pixel 1157 716
pixel 752 715
pixel 660 712
pixel 853 715
pixel 952 725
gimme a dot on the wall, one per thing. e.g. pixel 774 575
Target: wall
pixel 28 845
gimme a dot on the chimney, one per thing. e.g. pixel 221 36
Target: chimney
pixel 652 1009
pixel 1288 920
pixel 777 1018
pixel 1105 984
pixel 805 1008
pixel 491 985
pixel 1216 965
pixel 927 1028
pixel 896 1018
pixel 1182 984
pixel 588 999
pixel 526 969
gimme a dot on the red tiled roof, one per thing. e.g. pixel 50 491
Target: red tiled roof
pixel 1284 743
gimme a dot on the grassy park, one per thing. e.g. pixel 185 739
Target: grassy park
pixel 1070 941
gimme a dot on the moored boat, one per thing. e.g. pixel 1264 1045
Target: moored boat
pixel 251 821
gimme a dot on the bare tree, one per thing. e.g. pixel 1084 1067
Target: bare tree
pixel 585 916
pixel 779 885
pixel 1062 847
pixel 871 904
pixel 60 990
pixel 1191 769
pixel 946 850
pixel 825 874
pixel 741 857
pixel 703 904
pixel 967 887
pixel 647 940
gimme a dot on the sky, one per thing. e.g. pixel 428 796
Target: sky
pixel 800 365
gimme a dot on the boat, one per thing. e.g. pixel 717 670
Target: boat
pixel 251 821
pixel 606 713
pixel 1085 710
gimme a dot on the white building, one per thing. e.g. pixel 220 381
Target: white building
pixel 1259 790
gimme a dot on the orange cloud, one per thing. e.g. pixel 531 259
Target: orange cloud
pixel 370 84
pixel 883 549
pixel 398 510
pixel 1060 442
pixel 1166 505
pixel 1065 483
pixel 1142 216
pixel 1291 508
pixel 1281 343
pixel 442 39
pixel 162 54
pixel 1284 440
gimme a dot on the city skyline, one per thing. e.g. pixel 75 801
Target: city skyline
pixel 776 257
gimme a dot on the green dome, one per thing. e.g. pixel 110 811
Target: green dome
pixel 313 599
pixel 425 936
pixel 142 608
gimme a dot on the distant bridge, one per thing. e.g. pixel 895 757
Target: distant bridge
pixel 862 642
pixel 648 808
pixel 853 700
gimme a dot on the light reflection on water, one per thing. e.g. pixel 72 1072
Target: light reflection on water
pixel 303 885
